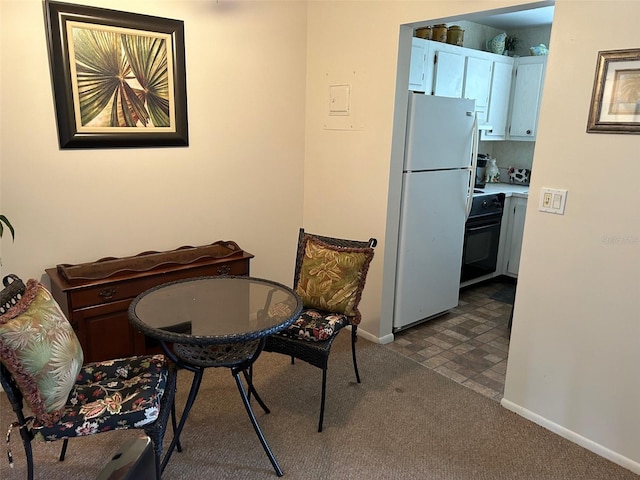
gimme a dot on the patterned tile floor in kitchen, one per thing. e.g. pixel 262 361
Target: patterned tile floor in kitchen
pixel 470 344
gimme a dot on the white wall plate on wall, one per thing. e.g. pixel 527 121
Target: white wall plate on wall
pixel 552 200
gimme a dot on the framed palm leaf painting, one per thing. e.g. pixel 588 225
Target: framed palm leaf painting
pixel 118 78
pixel 615 102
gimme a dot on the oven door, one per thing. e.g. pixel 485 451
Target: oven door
pixel 480 253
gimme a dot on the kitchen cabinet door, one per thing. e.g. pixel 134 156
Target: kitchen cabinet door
pixel 477 84
pixel 527 93
pixel 417 69
pixel 104 332
pixel 498 110
pixel 448 73
pixel 517 213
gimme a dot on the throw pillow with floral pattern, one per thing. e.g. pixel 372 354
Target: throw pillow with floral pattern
pixel 40 349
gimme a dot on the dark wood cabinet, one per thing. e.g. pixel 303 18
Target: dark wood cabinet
pixel 95 296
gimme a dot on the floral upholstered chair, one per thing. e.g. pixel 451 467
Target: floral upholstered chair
pixel 330 275
pixel 41 364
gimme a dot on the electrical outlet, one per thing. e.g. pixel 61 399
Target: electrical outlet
pixel 552 200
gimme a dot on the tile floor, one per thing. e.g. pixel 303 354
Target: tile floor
pixel 469 344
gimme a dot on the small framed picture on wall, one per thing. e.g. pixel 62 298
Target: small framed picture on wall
pixel 615 102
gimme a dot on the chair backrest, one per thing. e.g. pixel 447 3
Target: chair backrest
pixel 14 395
pixel 339 243
pixel 12 292
pixel 9 296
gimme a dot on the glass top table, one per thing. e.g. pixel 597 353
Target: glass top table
pixel 219 321
pixel 213 310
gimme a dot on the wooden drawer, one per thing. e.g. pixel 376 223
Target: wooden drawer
pixel 130 288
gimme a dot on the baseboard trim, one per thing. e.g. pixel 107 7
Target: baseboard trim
pixel 372 338
pixel 573 436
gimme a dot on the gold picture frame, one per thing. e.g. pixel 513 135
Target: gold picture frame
pixel 118 78
pixel 615 102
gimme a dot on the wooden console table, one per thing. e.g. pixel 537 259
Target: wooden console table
pixel 95 296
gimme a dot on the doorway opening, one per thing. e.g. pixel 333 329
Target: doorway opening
pixel 470 343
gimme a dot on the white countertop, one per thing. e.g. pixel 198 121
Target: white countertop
pixel 509 189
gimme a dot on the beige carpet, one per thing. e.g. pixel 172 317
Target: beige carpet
pixel 403 421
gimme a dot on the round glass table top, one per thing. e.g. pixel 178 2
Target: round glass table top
pixel 210 310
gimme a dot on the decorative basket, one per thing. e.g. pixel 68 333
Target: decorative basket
pixel 455 35
pixel 424 32
pixel 440 33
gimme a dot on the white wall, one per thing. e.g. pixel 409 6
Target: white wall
pixel 575 344
pixel 240 179
pixel 575 349
pixel 357 43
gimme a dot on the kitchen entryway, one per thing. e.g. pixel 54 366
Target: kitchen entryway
pixel 470 344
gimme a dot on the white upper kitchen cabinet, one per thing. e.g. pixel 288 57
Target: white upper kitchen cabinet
pixel 477 84
pixel 507 91
pixel 448 70
pixel 418 67
pixel 500 94
pixel 525 102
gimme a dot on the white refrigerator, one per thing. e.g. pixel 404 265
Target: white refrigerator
pixel 437 186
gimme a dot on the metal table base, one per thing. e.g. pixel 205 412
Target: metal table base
pixel 198 373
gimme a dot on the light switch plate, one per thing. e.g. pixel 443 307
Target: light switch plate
pixel 552 200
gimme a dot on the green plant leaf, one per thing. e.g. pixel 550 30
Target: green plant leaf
pixel 100 68
pixel 123 80
pixel 4 220
pixel 147 57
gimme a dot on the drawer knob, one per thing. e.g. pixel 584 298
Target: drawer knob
pixel 107 293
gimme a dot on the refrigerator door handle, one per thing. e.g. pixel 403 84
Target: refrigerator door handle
pixel 474 163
